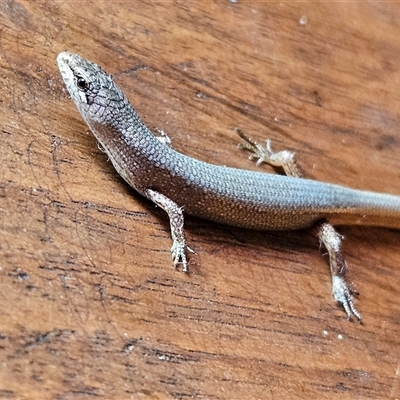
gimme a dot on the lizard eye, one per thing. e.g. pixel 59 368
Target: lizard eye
pixel 81 83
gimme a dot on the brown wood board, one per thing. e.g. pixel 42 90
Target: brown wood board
pixel 91 306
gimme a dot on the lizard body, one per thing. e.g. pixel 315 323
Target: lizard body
pixel 232 196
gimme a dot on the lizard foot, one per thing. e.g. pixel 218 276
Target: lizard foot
pixel 263 154
pixel 282 159
pixel 178 254
pixel 343 294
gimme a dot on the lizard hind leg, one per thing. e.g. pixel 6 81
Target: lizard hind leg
pixel 341 290
pixel 332 240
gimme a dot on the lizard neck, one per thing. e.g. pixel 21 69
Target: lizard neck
pixel 132 148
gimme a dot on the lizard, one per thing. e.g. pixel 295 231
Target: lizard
pixel 254 200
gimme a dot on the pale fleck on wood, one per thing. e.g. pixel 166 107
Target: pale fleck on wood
pixel 90 303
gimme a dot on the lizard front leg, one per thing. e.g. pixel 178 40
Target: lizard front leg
pixel 176 220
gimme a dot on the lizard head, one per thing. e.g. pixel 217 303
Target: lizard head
pixel 90 87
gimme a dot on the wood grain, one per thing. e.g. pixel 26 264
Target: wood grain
pixel 91 306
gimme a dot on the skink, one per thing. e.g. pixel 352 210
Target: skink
pixel 232 196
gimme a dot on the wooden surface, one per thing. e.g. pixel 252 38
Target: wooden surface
pixel 91 306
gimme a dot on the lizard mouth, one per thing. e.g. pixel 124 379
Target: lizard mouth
pixel 68 65
pixel 63 60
